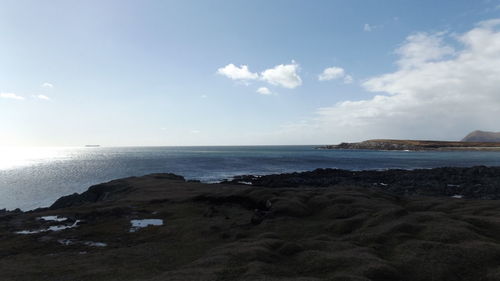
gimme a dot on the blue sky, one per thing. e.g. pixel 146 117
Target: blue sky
pixel 153 72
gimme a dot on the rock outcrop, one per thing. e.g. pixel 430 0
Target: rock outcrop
pixel 475 182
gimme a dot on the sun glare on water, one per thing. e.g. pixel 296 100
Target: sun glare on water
pixel 14 157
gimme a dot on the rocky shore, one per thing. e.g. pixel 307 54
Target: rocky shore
pixel 478 182
pixel 321 225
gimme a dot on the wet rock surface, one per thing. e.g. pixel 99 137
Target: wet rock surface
pixel 241 232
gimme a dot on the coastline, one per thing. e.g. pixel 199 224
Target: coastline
pixel 415 145
pixel 324 224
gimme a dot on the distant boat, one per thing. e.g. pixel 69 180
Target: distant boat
pixel 92 145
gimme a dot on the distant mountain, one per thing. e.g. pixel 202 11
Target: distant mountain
pixel 482 136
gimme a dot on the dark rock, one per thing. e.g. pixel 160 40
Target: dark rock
pixel 478 182
pixel 167 176
pixel 96 193
pixel 289 249
pixel 258 216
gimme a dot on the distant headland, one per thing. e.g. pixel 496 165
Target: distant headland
pixel 477 140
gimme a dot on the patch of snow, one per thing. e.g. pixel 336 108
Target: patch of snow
pixel 457 196
pixel 137 224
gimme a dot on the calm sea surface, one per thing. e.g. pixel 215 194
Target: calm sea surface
pixel 35 177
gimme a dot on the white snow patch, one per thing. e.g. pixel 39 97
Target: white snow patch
pixel 457 196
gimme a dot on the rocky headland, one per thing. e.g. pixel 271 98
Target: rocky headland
pixel 416 145
pixel 327 224
pixel 476 140
pixel 482 136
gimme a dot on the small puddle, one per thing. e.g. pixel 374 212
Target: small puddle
pixel 50 228
pixel 245 182
pixel 138 224
pixel 69 242
pixel 95 244
pixel 52 218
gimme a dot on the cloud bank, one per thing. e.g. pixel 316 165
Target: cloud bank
pixel 438 91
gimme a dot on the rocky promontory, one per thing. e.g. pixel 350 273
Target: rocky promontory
pixel 482 136
pixel 416 145
pixel 321 225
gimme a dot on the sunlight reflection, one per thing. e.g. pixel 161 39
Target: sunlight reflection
pixel 13 157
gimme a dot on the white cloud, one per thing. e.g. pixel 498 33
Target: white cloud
pixel 334 72
pixel 437 92
pixel 331 73
pixel 11 96
pixel 47 85
pixel 204 96
pixel 264 91
pixel 237 73
pixel 284 75
pixel 195 131
pixel 367 27
pixel 42 97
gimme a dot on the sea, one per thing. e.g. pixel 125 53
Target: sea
pixel 36 177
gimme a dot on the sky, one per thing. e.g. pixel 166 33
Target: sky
pixel 154 73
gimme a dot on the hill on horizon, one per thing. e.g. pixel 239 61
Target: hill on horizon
pixel 482 136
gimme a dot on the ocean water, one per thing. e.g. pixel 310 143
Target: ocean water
pixel 36 177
